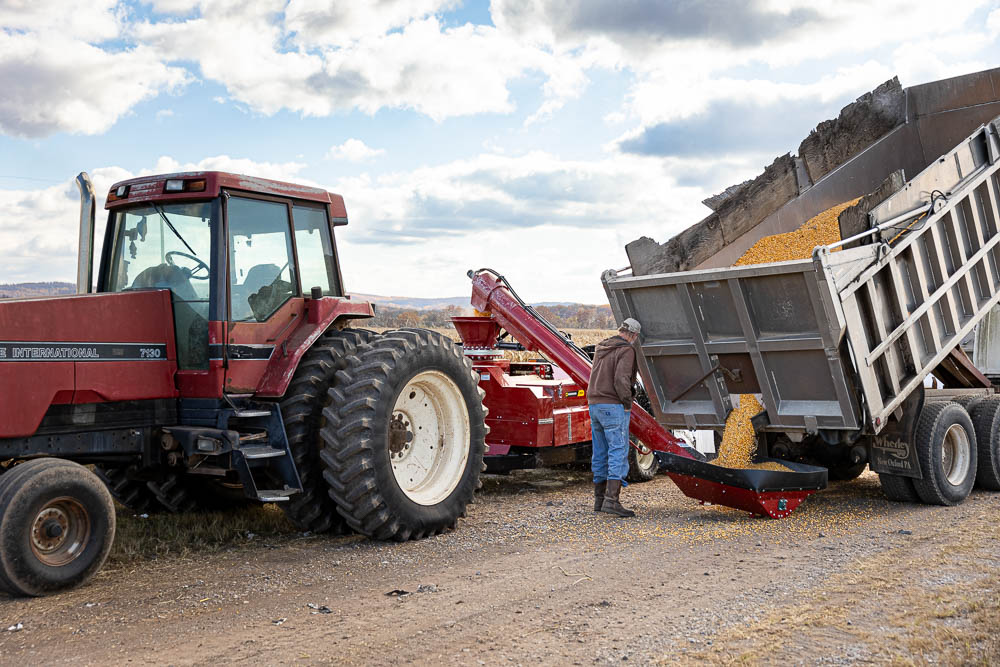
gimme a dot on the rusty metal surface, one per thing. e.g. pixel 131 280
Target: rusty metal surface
pixel 147 188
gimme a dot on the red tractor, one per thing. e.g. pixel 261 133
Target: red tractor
pixel 215 357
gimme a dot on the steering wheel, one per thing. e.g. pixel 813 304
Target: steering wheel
pixel 193 272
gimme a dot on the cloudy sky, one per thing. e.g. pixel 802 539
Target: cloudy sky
pixel 536 137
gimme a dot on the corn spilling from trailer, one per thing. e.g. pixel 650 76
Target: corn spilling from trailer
pixel 739 442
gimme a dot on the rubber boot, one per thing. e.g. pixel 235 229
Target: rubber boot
pixel 611 504
pixel 599 489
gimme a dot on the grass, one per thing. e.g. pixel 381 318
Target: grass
pixel 140 537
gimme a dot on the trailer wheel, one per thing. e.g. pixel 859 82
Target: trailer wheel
pixel 642 467
pixel 404 436
pixel 946 449
pixel 898 488
pixel 986 421
pixel 844 473
pixel 57 524
pixel 302 411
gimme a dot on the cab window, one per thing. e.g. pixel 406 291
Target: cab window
pixel 312 240
pixel 261 268
pixel 168 246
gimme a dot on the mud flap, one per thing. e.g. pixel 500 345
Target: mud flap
pixel 891 452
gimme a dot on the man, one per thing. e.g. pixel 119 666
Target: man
pixel 610 398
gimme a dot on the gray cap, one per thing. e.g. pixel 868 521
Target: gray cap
pixel 630 325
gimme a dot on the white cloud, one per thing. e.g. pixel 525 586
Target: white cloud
pixel 90 20
pixel 327 24
pixel 53 81
pixel 438 71
pixel 554 223
pixel 993 23
pixel 353 150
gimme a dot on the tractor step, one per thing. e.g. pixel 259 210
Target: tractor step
pixel 275 495
pixel 261 452
pixel 251 437
pixel 247 414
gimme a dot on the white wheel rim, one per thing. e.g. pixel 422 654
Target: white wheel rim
pixel 955 455
pixel 644 457
pixel 428 463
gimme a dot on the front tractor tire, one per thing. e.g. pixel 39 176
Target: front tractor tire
pixel 404 436
pixel 57 524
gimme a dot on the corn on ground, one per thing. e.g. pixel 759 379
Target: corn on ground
pixel 739 443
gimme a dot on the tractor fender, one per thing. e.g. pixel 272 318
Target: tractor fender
pixel 321 314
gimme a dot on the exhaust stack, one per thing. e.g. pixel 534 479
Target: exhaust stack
pixel 85 256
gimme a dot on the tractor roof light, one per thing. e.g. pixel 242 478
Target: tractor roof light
pixel 180 185
pixel 121 192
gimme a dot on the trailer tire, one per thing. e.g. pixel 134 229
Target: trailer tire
pixel 404 378
pixel 986 420
pixel 945 442
pixel 898 488
pixel 641 467
pixel 57 525
pixel 845 473
pixel 302 411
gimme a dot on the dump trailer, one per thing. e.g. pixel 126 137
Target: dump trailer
pixel 216 361
pixel 839 346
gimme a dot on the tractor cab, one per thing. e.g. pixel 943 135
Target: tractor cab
pixel 240 256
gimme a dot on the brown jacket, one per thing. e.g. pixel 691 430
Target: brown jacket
pixel 613 373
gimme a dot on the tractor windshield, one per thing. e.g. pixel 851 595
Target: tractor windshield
pixel 168 246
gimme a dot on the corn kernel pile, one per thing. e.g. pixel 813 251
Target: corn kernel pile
pixel 821 229
pixel 739 443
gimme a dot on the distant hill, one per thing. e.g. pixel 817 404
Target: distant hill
pixel 414 303
pixel 23 290
pixel 26 290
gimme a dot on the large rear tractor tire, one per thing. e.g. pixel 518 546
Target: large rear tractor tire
pixel 404 436
pixel 946 449
pixel 986 420
pixel 302 410
pixel 57 524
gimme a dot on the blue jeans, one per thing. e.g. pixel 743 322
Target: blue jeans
pixel 609 442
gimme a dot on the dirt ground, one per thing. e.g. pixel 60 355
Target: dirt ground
pixel 533 576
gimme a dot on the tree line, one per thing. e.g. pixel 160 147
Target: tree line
pixel 564 316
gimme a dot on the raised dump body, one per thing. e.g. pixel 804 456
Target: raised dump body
pixel 834 344
pixel 891 128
